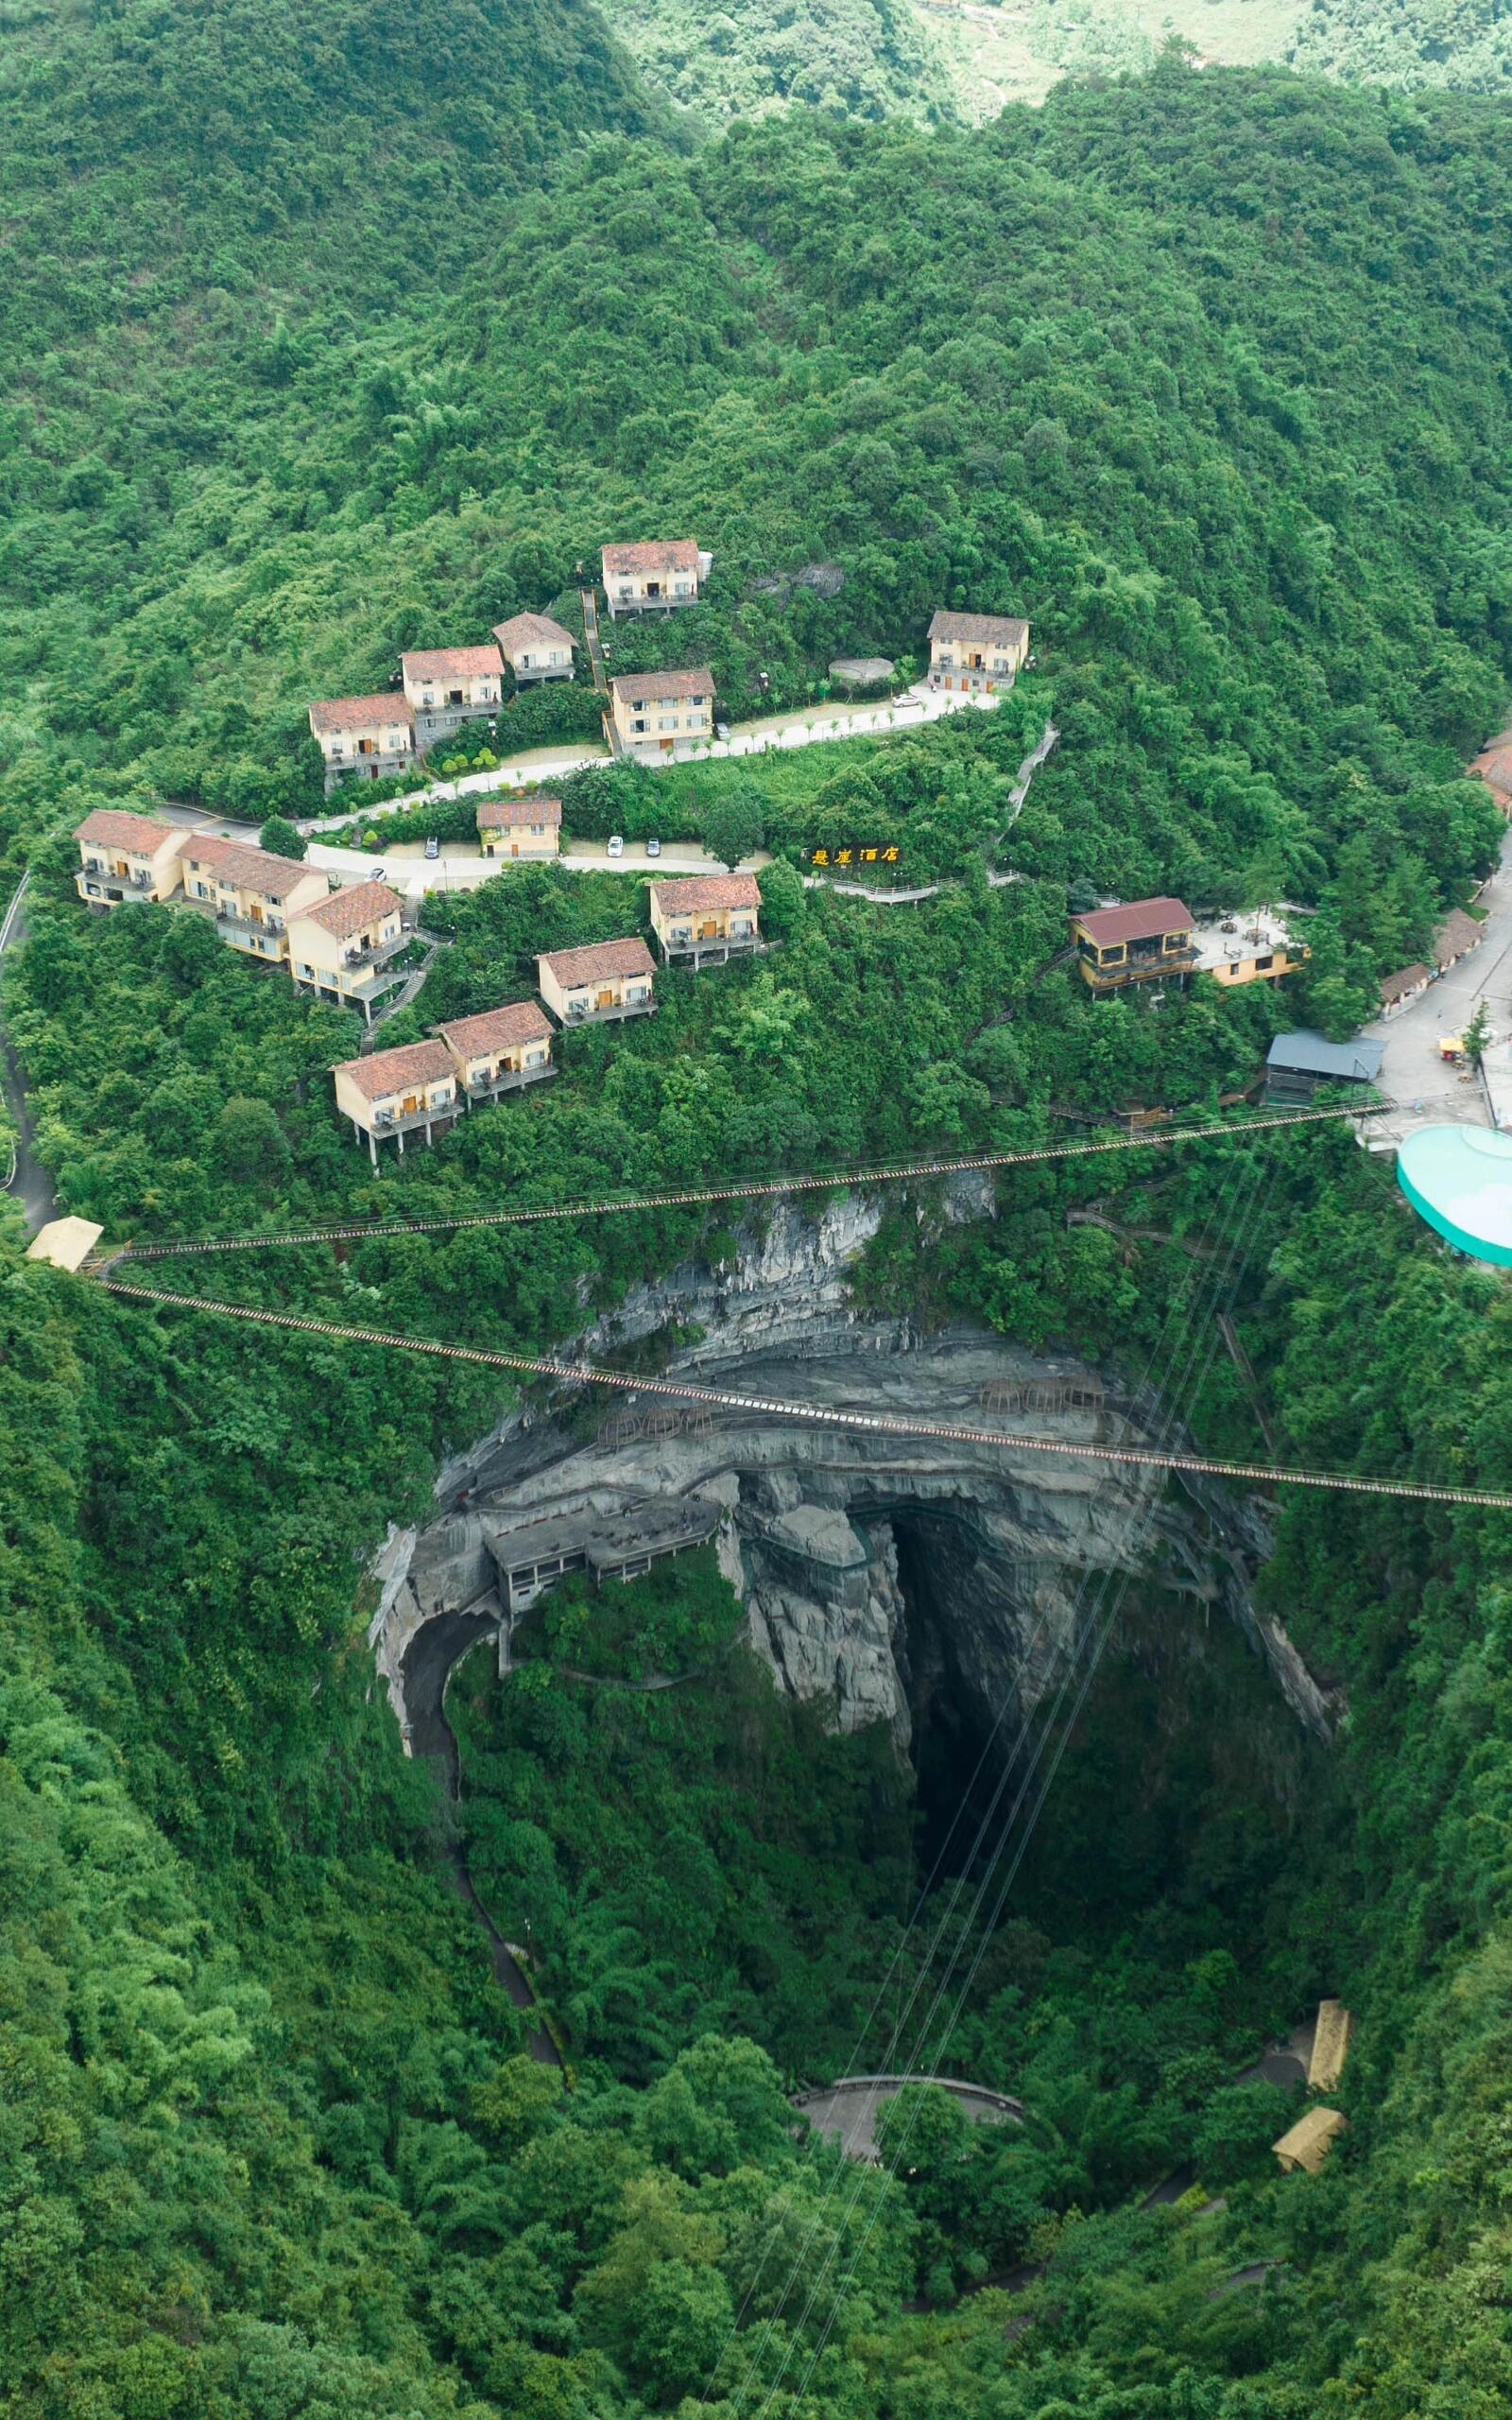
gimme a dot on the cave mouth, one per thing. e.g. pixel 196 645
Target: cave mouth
pixel 957 1750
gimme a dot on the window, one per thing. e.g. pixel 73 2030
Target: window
pixel 1262 964
pixel 639 724
pixel 667 722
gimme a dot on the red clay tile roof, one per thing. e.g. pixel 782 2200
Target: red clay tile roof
pixel 706 891
pixel 531 806
pixel 571 967
pixel 1398 987
pixel 983 629
pixel 697 682
pixel 453 663
pixel 523 630
pixel 1143 920
pixel 392 1071
pixel 653 554
pixel 346 911
pixel 1455 934
pixel 1494 765
pixel 504 1029
pixel 362 714
pixel 257 870
pixel 116 827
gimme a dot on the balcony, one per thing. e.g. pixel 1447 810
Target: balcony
pixel 509 1079
pixel 245 933
pixel 1140 966
pixel 376 953
pixel 707 949
pixel 585 1013
pixel 406 1121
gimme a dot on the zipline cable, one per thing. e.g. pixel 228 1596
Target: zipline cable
pixel 867 1424
pixel 1168 1341
pixel 1115 1590
pixel 766 1189
pixel 1188 1332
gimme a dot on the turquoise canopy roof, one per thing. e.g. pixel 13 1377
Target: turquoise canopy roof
pixel 1459 1178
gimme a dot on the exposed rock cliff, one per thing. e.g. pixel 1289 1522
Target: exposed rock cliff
pixel 877 1573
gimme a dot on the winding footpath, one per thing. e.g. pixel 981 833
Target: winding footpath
pixel 28 1183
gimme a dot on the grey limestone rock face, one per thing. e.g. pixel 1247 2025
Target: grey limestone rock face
pixel 873 1568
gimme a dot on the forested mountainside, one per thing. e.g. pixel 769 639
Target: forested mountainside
pixel 1464 43
pixel 1163 366
pixel 863 58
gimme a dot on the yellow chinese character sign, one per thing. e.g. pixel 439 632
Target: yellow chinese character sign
pixel 847 857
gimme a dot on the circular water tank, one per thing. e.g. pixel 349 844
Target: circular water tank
pixel 1459 1178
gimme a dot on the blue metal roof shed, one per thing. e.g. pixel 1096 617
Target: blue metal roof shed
pixel 1305 1053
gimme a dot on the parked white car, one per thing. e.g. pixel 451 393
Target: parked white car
pixel 616 844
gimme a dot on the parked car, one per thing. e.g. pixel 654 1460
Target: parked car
pixel 653 848
pixel 432 845
pixel 616 844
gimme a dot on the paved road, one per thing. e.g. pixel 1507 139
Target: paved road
pixel 1428 1092
pixel 30 1184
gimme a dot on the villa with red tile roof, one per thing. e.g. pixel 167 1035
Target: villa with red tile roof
pixel 535 647
pixel 501 1049
pixel 342 948
pixel 411 1091
pixel 447 686
pixel 370 736
pixel 1148 941
pixel 654 714
pixel 705 919
pixel 976 652
pixel 655 576
pixel 606 979
pixel 249 894
pixel 125 855
pixel 525 825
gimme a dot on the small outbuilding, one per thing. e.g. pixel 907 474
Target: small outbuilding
pixel 1308 2143
pixel 1299 1065
pixel 1456 937
pixel 527 826
pixel 1408 984
pixel 1330 2046
pixel 535 647
pixel 67 1242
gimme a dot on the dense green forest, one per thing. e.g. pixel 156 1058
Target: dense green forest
pixel 1464 43
pixel 862 58
pixel 334 331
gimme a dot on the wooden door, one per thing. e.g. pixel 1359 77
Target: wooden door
pixel 606 998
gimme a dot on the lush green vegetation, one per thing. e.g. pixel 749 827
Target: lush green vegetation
pixel 862 58
pixel 333 333
pixel 1465 43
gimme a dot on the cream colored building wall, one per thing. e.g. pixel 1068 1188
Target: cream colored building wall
pixel 619 988
pixel 634 587
pixel 310 944
pixel 432 697
pixel 522 841
pixel 536 653
pixel 162 864
pixel 682 927
pixel 483 1067
pixel 998 662
pixel 665 718
pixel 438 1094
pixel 384 739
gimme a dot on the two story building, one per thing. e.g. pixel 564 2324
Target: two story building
pixel 411 1091
pixel 341 949
pixel 655 576
pixel 370 737
pixel 124 855
pixel 527 826
pixel 653 714
pixel 447 686
pixel 976 652
pixel 706 918
pixel 249 894
pixel 535 647
pixel 1147 942
pixel 501 1050
pixel 607 979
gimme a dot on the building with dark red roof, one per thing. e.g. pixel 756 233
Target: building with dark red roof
pixel 1148 940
